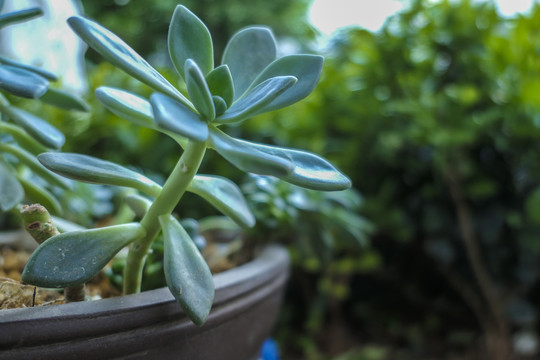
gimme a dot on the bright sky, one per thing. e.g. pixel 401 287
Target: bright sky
pixel 329 15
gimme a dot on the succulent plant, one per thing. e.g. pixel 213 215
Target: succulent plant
pixel 249 81
pixel 24 135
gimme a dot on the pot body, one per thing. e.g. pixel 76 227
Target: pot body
pixel 151 325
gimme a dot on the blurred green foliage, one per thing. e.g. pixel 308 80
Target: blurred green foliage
pixel 146 25
pixel 434 116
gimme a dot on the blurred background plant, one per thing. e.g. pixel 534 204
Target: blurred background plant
pixel 436 119
pixel 23 135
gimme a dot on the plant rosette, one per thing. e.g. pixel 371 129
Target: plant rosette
pixel 250 81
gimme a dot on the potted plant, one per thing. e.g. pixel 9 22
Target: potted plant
pixel 244 300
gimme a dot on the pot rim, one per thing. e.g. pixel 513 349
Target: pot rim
pixel 271 262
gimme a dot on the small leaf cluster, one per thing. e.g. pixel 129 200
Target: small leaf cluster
pixel 250 81
pixel 24 135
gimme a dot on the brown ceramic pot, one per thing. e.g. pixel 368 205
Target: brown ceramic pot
pixel 151 325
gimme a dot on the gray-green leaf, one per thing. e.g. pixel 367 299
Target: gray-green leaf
pixel 38 128
pixel 220 83
pixel 256 99
pixel 74 258
pixel 64 100
pixel 174 116
pixel 11 191
pixel 248 158
pixel 198 90
pixel 19 16
pixel 127 105
pixel 29 160
pixel 118 53
pixel 306 68
pixel 225 196
pixel 248 52
pixel 310 171
pixel 23 83
pixel 186 273
pixel 41 72
pixel 92 170
pixel 189 38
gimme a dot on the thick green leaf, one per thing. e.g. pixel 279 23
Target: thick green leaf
pixel 38 128
pixel 247 158
pixel 74 258
pixel 220 83
pixel 64 100
pixel 19 16
pixel 29 160
pixel 198 90
pixel 127 105
pixel 219 104
pixel 225 196
pixel 306 68
pixel 310 171
pixel 189 39
pixel 174 116
pixel 37 194
pixel 247 54
pixel 46 74
pixel 22 82
pixel 93 170
pixel 118 53
pixel 132 108
pixel 11 191
pixel 22 138
pixel 256 99
pixel 187 274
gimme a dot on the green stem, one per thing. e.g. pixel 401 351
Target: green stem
pixel 165 202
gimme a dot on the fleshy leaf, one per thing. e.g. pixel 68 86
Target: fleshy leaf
pixel 174 116
pixel 41 72
pixel 220 83
pixel 19 16
pixel 64 100
pixel 127 105
pixel 219 104
pixel 118 53
pixel 22 82
pixel 93 170
pixel 225 196
pixel 198 90
pixel 22 138
pixel 247 54
pixel 189 38
pixel 74 258
pixel 256 99
pixel 29 160
pixel 132 108
pixel 306 68
pixel 247 158
pixel 310 171
pixel 38 128
pixel 188 277
pixel 37 194
pixel 11 191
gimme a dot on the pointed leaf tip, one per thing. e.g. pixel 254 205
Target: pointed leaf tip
pixel 187 275
pixel 189 38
